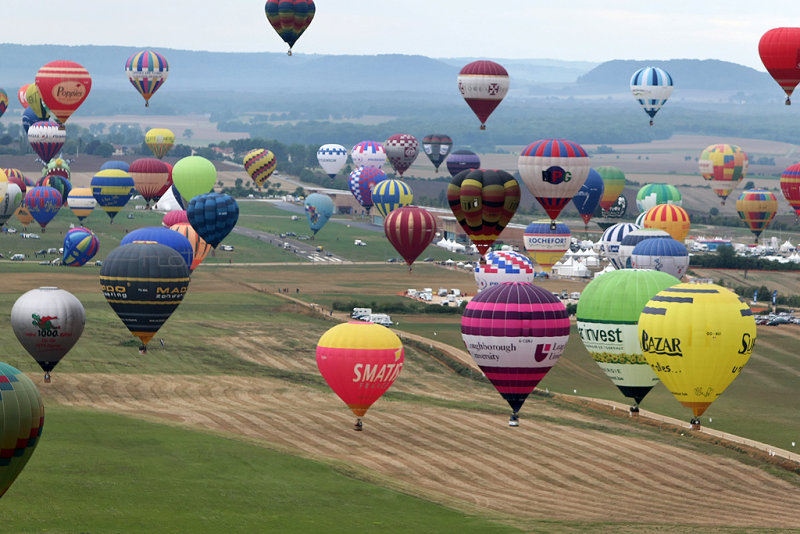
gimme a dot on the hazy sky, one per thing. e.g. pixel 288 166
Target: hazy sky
pixel 589 30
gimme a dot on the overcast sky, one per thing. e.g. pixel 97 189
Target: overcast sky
pixel 588 30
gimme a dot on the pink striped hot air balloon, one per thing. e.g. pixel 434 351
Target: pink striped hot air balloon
pixel 515 332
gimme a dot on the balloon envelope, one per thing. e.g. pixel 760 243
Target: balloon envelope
pixel 790 186
pixel 757 207
pixel 611 240
pixel 725 166
pixel 410 230
pixel 149 176
pixel 64 85
pixel 174 240
pixel 332 158
pixel 462 160
pixel 80 246
pixel 112 189
pixel 43 203
pixel 174 217
pixel 401 150
pixel 361 182
pixel 116 164
pixel 672 219
pixel 318 208
pixel 213 216
pixel 9 202
pixel 588 196
pixel 651 195
pixel 368 154
pixel 81 201
pixel 147 72
pixel 546 245
pixel 666 255
pixel 437 147
pixel 632 239
pixel 46 138
pixel 200 248
pixel 290 18
pixel 388 195
pixel 503 266
pixel 193 176
pixel 260 164
pixel 778 50
pixel 483 84
pixel 613 184
pixel 159 141
pixel 651 87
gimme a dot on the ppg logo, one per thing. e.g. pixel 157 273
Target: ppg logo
pixel 555 175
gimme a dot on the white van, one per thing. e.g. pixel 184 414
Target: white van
pixel 361 313
pixel 18 257
pixel 379 318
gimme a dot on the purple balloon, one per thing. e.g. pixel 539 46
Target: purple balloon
pixel 461 160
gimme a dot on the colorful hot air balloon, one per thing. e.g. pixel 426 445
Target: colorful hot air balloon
pixel 15 176
pixel 23 215
pixel 332 158
pixel 144 283
pixel 368 154
pixel 515 332
pixel 3 183
pixel 318 208
pixel 483 84
pixel 48 322
pixel 388 195
pixel 462 160
pixel 64 85
pixel 401 151
pixel 553 170
pixel 633 238
pixel 200 248
pixel 112 188
pixel 159 141
pixel 613 184
pixel 607 320
pixel 588 196
pixel 9 202
pixel 59 183
pixel 58 167
pixel 149 176
pixel 410 230
pixel 174 217
pixel 651 87
pixel 665 255
pixel 359 361
pixel 46 139
pixel 503 266
pixel 43 203
pixel 778 49
pixel 35 103
pixel 790 186
pixel 361 182
pixel 193 176
pixel 756 208
pixel 697 338
pixel 21 92
pixel 651 195
pixel 80 246
pixel 290 18
pixel 21 420
pixel 483 202
pixel 3 102
pixel 437 147
pixel 611 240
pixel 213 216
pixel 260 163
pixel 147 71
pixel 672 219
pixel 81 201
pixel 546 245
pixel 725 166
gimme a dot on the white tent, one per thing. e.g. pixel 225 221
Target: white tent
pixel 571 267
pixel 787 247
pixel 607 269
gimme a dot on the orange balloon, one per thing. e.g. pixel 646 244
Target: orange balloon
pixel 199 246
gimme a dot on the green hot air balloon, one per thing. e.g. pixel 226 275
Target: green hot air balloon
pixel 607 319
pixel 144 282
pixel 21 420
pixel 194 176
pixel 651 195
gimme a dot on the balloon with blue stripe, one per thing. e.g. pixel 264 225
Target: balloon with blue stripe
pixel 666 254
pixel 80 246
pixel 213 216
pixel 611 240
pixel 112 188
pixel 651 87
pixel 389 195
pixel 165 236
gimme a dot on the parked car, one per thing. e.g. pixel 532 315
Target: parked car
pixel 226 247
pixel 18 257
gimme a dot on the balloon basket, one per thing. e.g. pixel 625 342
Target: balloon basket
pixel 651 123
pixel 483 126
pixel 513 421
pixel 634 410
pixel 358 426
pixel 695 423
pixel 47 378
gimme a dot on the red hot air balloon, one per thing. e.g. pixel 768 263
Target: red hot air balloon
pixel 359 361
pixel 483 84
pixel 779 49
pixel 790 186
pixel 149 175
pixel 410 230
pixel 63 85
pixel 515 332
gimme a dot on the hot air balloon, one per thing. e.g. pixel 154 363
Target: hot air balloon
pixel 611 240
pixel 112 188
pixel 651 195
pixel 368 154
pixel 147 71
pixel 15 176
pixel 633 238
pixel 64 85
pixel 3 102
pixel 116 164
pixel 778 49
pixel 613 184
pixel 332 158
pixel 48 322
pixel 81 201
pixel 318 208
pixel 483 202
pixel 43 203
pixel 23 215
pixel 503 266
pixel 144 283
pixel 80 246
pixel 697 338
pixel 437 147
pixel 588 196
pixel 57 167
pixel 651 87
pixel 607 320
pixel 756 208
pixel 59 183
pixel 29 118
pixel 401 151
pixel 3 182
pixel 359 361
pixel 388 195
pixel 9 202
pixel 174 217
pixel 193 176
pixel 159 141
pixel 410 230
pixel 21 420
pixel 260 163
pixel 672 219
pixel 290 18
pixel 46 139
pixel 37 106
pixel 553 170
pixel 361 182
pixel 149 176
pixel 546 245
pixel 515 332
pixel 790 186
pixel 213 216
pixel 164 236
pixel 665 255
pixel 462 160
pixel 725 166
pixel 200 248
pixel 483 84
pixel 21 92
pixel 169 187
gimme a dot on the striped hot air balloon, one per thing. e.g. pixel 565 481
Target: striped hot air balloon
pixel 200 248
pixel 260 163
pixel 437 147
pixel 368 154
pixel 503 266
pixel 410 230
pixel 147 72
pixel 80 246
pixel 546 245
pixel 633 238
pixel 112 188
pixel 611 240
pixel 462 160
pixel 665 255
pixel 651 87
pixel 149 177
pixel 174 217
pixel 483 84
pixel 46 138
pixel 63 85
pixel 290 18
pixel 757 208
pixel 81 201
pixel 159 141
pixel 388 195
pixel 515 332
pixel 790 186
pixel 672 219
pixel 43 203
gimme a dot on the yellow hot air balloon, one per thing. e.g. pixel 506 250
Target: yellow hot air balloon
pixel 672 219
pixel 697 338
pixel 159 141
